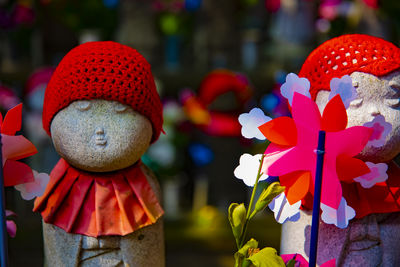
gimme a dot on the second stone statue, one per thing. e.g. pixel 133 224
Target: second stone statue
pixel 101 206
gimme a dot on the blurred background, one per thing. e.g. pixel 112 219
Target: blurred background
pixel 210 58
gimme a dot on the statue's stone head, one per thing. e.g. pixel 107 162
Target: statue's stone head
pixel 374 66
pixel 101 107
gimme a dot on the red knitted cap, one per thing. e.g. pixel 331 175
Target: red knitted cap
pixel 104 70
pixel 347 54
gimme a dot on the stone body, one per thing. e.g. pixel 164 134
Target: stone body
pixel 373 239
pixel 103 136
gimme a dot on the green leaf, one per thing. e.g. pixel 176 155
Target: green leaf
pixel 237 219
pixel 241 255
pixel 267 257
pixel 267 195
pixel 291 263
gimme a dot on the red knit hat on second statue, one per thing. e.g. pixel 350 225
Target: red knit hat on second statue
pixel 347 54
pixel 104 70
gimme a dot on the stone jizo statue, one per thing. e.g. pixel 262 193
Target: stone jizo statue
pixel 101 206
pixel 371 239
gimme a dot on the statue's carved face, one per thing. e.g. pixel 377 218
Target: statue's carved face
pixel 100 135
pixel 376 96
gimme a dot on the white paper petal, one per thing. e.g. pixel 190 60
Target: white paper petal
pixel 34 189
pixel 283 211
pixel 381 131
pixel 248 168
pixel 377 175
pixel 339 217
pixel 295 84
pixel 343 87
pixel 250 123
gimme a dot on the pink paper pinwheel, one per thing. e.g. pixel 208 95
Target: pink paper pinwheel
pixel 300 261
pixel 292 152
pixel 15 148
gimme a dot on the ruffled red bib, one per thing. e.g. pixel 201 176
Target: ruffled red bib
pixel 96 204
pixel 381 198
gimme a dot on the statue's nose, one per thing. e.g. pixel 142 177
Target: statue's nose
pixel 374 111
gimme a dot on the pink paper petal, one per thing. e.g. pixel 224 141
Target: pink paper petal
pixel 294 85
pixel 330 263
pixel 35 188
pixel 11 228
pixel 10 213
pixel 306 115
pixel 16 172
pixel 349 142
pixel 377 175
pixel 300 260
pixel 381 130
pixel 16 147
pixel 12 121
pixel 340 216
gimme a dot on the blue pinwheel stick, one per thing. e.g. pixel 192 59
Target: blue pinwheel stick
pixel 317 199
pixel 3 230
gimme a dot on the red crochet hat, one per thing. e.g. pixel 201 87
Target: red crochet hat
pixel 104 70
pixel 347 54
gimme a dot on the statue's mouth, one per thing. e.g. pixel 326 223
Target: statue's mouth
pixel 100 140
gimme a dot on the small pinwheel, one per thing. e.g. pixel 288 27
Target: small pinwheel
pixel 292 153
pixel 15 147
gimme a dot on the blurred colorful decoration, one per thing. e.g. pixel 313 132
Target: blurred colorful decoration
pixel 173 6
pixel 329 9
pixel 20 13
pixel 193 5
pixel 214 85
pixel 201 154
pixel 162 156
pixel 111 3
pixel 24 13
pixel 372 3
pixel 274 103
pixel 35 87
pixel 272 5
pixel 8 98
pixel 169 23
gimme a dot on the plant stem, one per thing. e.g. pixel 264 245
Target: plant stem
pixel 259 174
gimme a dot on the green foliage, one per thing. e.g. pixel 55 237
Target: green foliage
pixel 249 255
pixel 291 263
pixel 242 254
pixel 267 195
pixel 237 219
pixel 267 257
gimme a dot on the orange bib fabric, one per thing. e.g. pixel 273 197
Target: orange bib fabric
pixel 98 204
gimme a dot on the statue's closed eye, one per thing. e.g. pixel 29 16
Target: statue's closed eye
pixel 356 103
pixel 82 105
pixel 118 107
